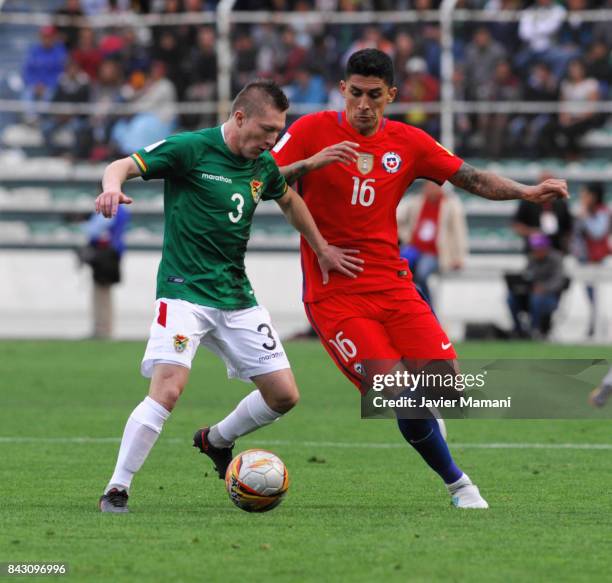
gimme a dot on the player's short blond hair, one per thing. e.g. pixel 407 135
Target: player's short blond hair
pixel 255 95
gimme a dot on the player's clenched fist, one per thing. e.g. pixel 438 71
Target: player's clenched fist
pixel 546 191
pixel 108 202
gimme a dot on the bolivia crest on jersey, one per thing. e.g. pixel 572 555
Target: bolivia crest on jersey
pixel 180 342
pixel 391 162
pixel 365 163
pixel 256 188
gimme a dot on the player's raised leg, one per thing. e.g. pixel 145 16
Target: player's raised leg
pixel 141 432
pixel 253 352
pixel 275 395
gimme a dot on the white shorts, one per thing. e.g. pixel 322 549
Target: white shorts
pixel 245 339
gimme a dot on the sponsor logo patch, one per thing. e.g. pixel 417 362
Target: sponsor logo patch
pixel 359 368
pixel 391 162
pixel 216 178
pixel 180 342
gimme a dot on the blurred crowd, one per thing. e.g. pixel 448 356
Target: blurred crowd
pixel 549 55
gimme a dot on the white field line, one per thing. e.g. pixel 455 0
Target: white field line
pixel 336 444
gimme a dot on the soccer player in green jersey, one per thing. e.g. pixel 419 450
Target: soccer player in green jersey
pixel 214 179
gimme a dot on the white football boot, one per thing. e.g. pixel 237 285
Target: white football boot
pixel 464 494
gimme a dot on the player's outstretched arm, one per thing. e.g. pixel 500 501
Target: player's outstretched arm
pixel 330 258
pixel 343 152
pixel 115 174
pixel 494 187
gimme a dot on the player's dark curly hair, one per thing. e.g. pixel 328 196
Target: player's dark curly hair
pixel 258 93
pixel 371 63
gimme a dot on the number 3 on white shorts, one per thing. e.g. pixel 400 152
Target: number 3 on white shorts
pixel 344 346
pixel 236 217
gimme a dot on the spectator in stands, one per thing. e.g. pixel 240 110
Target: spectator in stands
pixel 170 52
pixel 575 34
pixel 505 33
pixel 420 87
pixel 591 236
pixel 463 122
pixel 244 62
pixel 290 57
pixel 538 29
pixel 134 55
pixel 308 87
pixel 371 38
pixel 599 66
pixel 502 87
pixel 73 87
pixel 112 43
pixel 322 53
pixel 602 30
pixel 405 49
pixel 104 251
pixel 574 123
pixel 535 134
pixel 551 219
pixel 106 94
pixel 537 289
pixel 87 53
pixel 156 104
pixel 202 76
pixel 69 33
pixel 482 55
pixel 44 64
pixel 433 233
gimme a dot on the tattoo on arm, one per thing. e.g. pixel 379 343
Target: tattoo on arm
pixel 486 184
pixel 294 171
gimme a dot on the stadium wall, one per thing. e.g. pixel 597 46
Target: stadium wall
pixel 46 294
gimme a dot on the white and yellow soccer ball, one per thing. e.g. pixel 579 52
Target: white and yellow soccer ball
pixel 256 480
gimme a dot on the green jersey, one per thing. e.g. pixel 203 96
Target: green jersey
pixel 210 195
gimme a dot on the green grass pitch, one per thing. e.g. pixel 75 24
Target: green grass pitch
pixel 354 512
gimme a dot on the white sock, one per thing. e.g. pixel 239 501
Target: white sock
pixel 607 380
pixel 140 434
pixel 252 412
pixel 464 480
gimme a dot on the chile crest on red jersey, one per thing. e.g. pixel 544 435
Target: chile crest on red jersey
pixel 391 162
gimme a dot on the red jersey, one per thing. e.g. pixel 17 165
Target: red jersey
pixel 426 229
pixel 354 206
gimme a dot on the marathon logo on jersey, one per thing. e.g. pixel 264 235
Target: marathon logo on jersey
pixel 256 189
pixel 365 163
pixel 391 162
pixel 180 342
pixel 216 178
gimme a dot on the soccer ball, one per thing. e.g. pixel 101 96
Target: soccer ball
pixel 256 480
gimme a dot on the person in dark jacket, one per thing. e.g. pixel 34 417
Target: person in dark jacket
pixel 543 281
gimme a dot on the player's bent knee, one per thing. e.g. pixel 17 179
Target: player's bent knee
pixel 285 402
pixel 167 384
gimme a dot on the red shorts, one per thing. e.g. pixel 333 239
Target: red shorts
pixel 390 325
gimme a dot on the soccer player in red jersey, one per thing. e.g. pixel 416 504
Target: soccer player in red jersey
pixel 352 169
